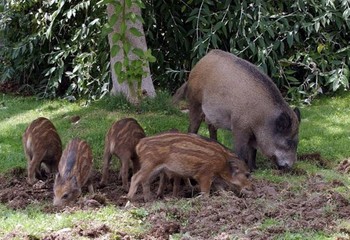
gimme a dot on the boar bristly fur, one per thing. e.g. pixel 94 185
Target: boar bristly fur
pixel 231 93
pixel 73 172
pixel 121 140
pixel 42 146
pixel 187 156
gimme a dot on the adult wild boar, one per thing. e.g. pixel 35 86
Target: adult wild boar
pixel 42 146
pixel 231 93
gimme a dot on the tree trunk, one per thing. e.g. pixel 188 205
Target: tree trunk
pixel 147 87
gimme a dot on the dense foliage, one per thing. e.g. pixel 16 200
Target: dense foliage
pixel 303 45
pixel 130 68
pixel 59 46
pixel 55 47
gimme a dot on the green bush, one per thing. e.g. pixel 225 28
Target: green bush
pixel 303 45
pixel 56 47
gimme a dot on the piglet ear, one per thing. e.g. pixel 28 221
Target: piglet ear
pixel 233 166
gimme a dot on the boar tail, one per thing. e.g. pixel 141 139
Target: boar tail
pixel 180 93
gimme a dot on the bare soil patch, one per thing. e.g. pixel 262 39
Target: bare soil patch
pixel 273 209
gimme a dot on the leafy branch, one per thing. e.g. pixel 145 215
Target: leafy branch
pixel 130 68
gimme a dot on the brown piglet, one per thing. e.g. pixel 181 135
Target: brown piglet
pixel 188 156
pixel 42 146
pixel 121 140
pixel 73 172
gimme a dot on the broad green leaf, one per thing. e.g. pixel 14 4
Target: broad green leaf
pixel 128 3
pixel 138 52
pixel 214 41
pixel 317 26
pixel 282 48
pixel 116 37
pixel 151 59
pixel 118 68
pixel 293 79
pixel 106 30
pixel 123 28
pixel 290 38
pixel 126 47
pixel 115 50
pixel 135 32
pixel 218 26
pixel 113 19
pixel 320 47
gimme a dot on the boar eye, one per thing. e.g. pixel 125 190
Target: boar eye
pixel 65 196
pixel 247 175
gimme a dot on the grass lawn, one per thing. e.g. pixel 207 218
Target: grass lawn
pixel 324 143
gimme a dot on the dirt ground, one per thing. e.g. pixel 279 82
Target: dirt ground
pixel 273 209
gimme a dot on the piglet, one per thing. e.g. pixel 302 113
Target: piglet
pixel 188 156
pixel 73 172
pixel 42 147
pixel 120 141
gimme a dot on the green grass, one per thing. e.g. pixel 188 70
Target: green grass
pixel 325 129
pixel 25 220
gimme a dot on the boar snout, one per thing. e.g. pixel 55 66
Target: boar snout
pixel 285 166
pixel 242 182
pixel 284 163
pixel 285 160
pixel 66 198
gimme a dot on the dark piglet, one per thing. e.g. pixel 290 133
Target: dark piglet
pixel 73 172
pixel 231 93
pixel 187 156
pixel 42 147
pixel 121 140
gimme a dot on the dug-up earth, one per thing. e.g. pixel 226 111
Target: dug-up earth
pixel 272 210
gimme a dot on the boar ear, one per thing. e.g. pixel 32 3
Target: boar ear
pixel 233 166
pixel 283 123
pixel 297 112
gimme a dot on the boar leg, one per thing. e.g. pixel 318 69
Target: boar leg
pixel 135 163
pixel 162 183
pixel 90 185
pixel 196 117
pixel 244 150
pixel 141 176
pixel 176 186
pixel 204 182
pixel 146 188
pixel 33 168
pixel 213 132
pixel 125 171
pixel 107 156
pixel 161 187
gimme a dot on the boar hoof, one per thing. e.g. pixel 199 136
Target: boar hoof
pixel 246 193
pixel 126 188
pixel 39 185
pixel 31 181
pixel 91 189
pixel 102 184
